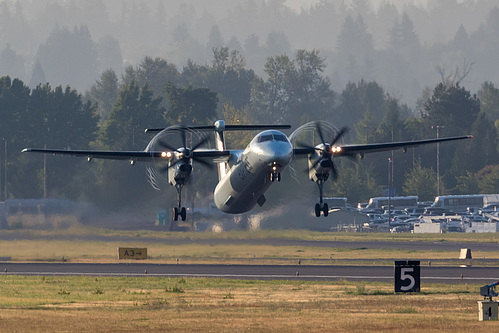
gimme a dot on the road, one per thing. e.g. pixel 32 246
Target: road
pixel 448 274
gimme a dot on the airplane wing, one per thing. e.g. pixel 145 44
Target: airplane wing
pixel 351 150
pixel 143 156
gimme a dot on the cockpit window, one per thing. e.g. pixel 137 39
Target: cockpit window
pixel 280 137
pixel 272 137
pixel 264 138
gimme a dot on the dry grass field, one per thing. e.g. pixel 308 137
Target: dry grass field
pixel 69 304
pixel 111 304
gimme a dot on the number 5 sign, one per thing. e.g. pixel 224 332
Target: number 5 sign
pixel 407 276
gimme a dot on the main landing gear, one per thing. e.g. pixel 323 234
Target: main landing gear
pixel 179 211
pixel 321 207
pixel 275 176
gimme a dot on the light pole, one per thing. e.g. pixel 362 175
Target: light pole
pixel 438 159
pixel 389 194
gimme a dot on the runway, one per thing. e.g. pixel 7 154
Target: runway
pixel 445 274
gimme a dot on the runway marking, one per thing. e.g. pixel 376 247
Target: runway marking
pixel 240 276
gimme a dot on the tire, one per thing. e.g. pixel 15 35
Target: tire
pixel 326 210
pixel 175 214
pixel 183 213
pixel 317 210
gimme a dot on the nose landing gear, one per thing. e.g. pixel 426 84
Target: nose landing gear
pixel 275 176
pixel 321 206
pixel 179 211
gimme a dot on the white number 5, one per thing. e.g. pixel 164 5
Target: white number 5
pixel 404 276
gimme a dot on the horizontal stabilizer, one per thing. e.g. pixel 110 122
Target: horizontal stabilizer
pixel 227 128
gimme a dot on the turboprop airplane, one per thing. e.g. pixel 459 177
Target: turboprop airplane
pixel 244 175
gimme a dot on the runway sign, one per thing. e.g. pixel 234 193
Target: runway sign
pixel 132 253
pixel 407 276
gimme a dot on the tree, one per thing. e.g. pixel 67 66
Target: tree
pixel 489 100
pixel 403 39
pixel 215 40
pixel 190 106
pixel 69 57
pixel 453 107
pixel 11 63
pixel 355 48
pixel 356 99
pixel 275 98
pixel 229 77
pixel 134 110
pixel 479 152
pixel 105 93
pixel 56 118
pixel 488 179
pixel 421 182
pixel 313 93
pixel 157 73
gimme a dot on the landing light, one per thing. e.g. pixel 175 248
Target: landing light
pixel 167 154
pixel 336 149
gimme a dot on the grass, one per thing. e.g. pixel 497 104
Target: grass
pixel 99 251
pixel 217 305
pixel 34 303
pixel 160 234
pixel 86 245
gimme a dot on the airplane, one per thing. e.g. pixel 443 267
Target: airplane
pixel 244 174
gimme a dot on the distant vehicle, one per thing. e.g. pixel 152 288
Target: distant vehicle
pixel 361 206
pixel 414 211
pixel 401 228
pixel 457 203
pixel 489 209
pixel 336 203
pixel 490 199
pixel 377 203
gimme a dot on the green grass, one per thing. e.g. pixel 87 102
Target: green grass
pixel 77 229
pixel 36 303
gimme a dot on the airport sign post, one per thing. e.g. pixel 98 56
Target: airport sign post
pixel 132 253
pixel 407 276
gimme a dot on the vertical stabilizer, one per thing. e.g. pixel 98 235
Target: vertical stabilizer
pixel 220 145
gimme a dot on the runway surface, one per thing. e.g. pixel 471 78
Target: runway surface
pixel 448 274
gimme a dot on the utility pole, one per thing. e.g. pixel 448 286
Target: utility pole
pixel 438 158
pixel 389 194
pixel 5 170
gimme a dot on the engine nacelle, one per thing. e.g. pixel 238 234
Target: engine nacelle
pixel 180 173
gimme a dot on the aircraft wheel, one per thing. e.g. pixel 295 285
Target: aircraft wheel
pixel 183 213
pixel 278 176
pixel 326 210
pixel 317 210
pixel 272 178
pixel 175 214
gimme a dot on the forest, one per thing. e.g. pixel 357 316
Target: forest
pixel 99 84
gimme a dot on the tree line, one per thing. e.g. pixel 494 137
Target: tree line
pixel 293 90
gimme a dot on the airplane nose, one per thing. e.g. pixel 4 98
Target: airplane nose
pixel 281 156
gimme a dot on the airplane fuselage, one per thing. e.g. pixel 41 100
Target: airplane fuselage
pixel 258 167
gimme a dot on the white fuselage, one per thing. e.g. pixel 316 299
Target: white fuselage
pixel 245 183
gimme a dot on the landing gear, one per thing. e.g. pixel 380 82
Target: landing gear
pixel 275 176
pixel 321 207
pixel 179 211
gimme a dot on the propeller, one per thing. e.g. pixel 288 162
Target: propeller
pixel 184 153
pixel 327 149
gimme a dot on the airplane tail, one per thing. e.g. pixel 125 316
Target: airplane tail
pixel 223 167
